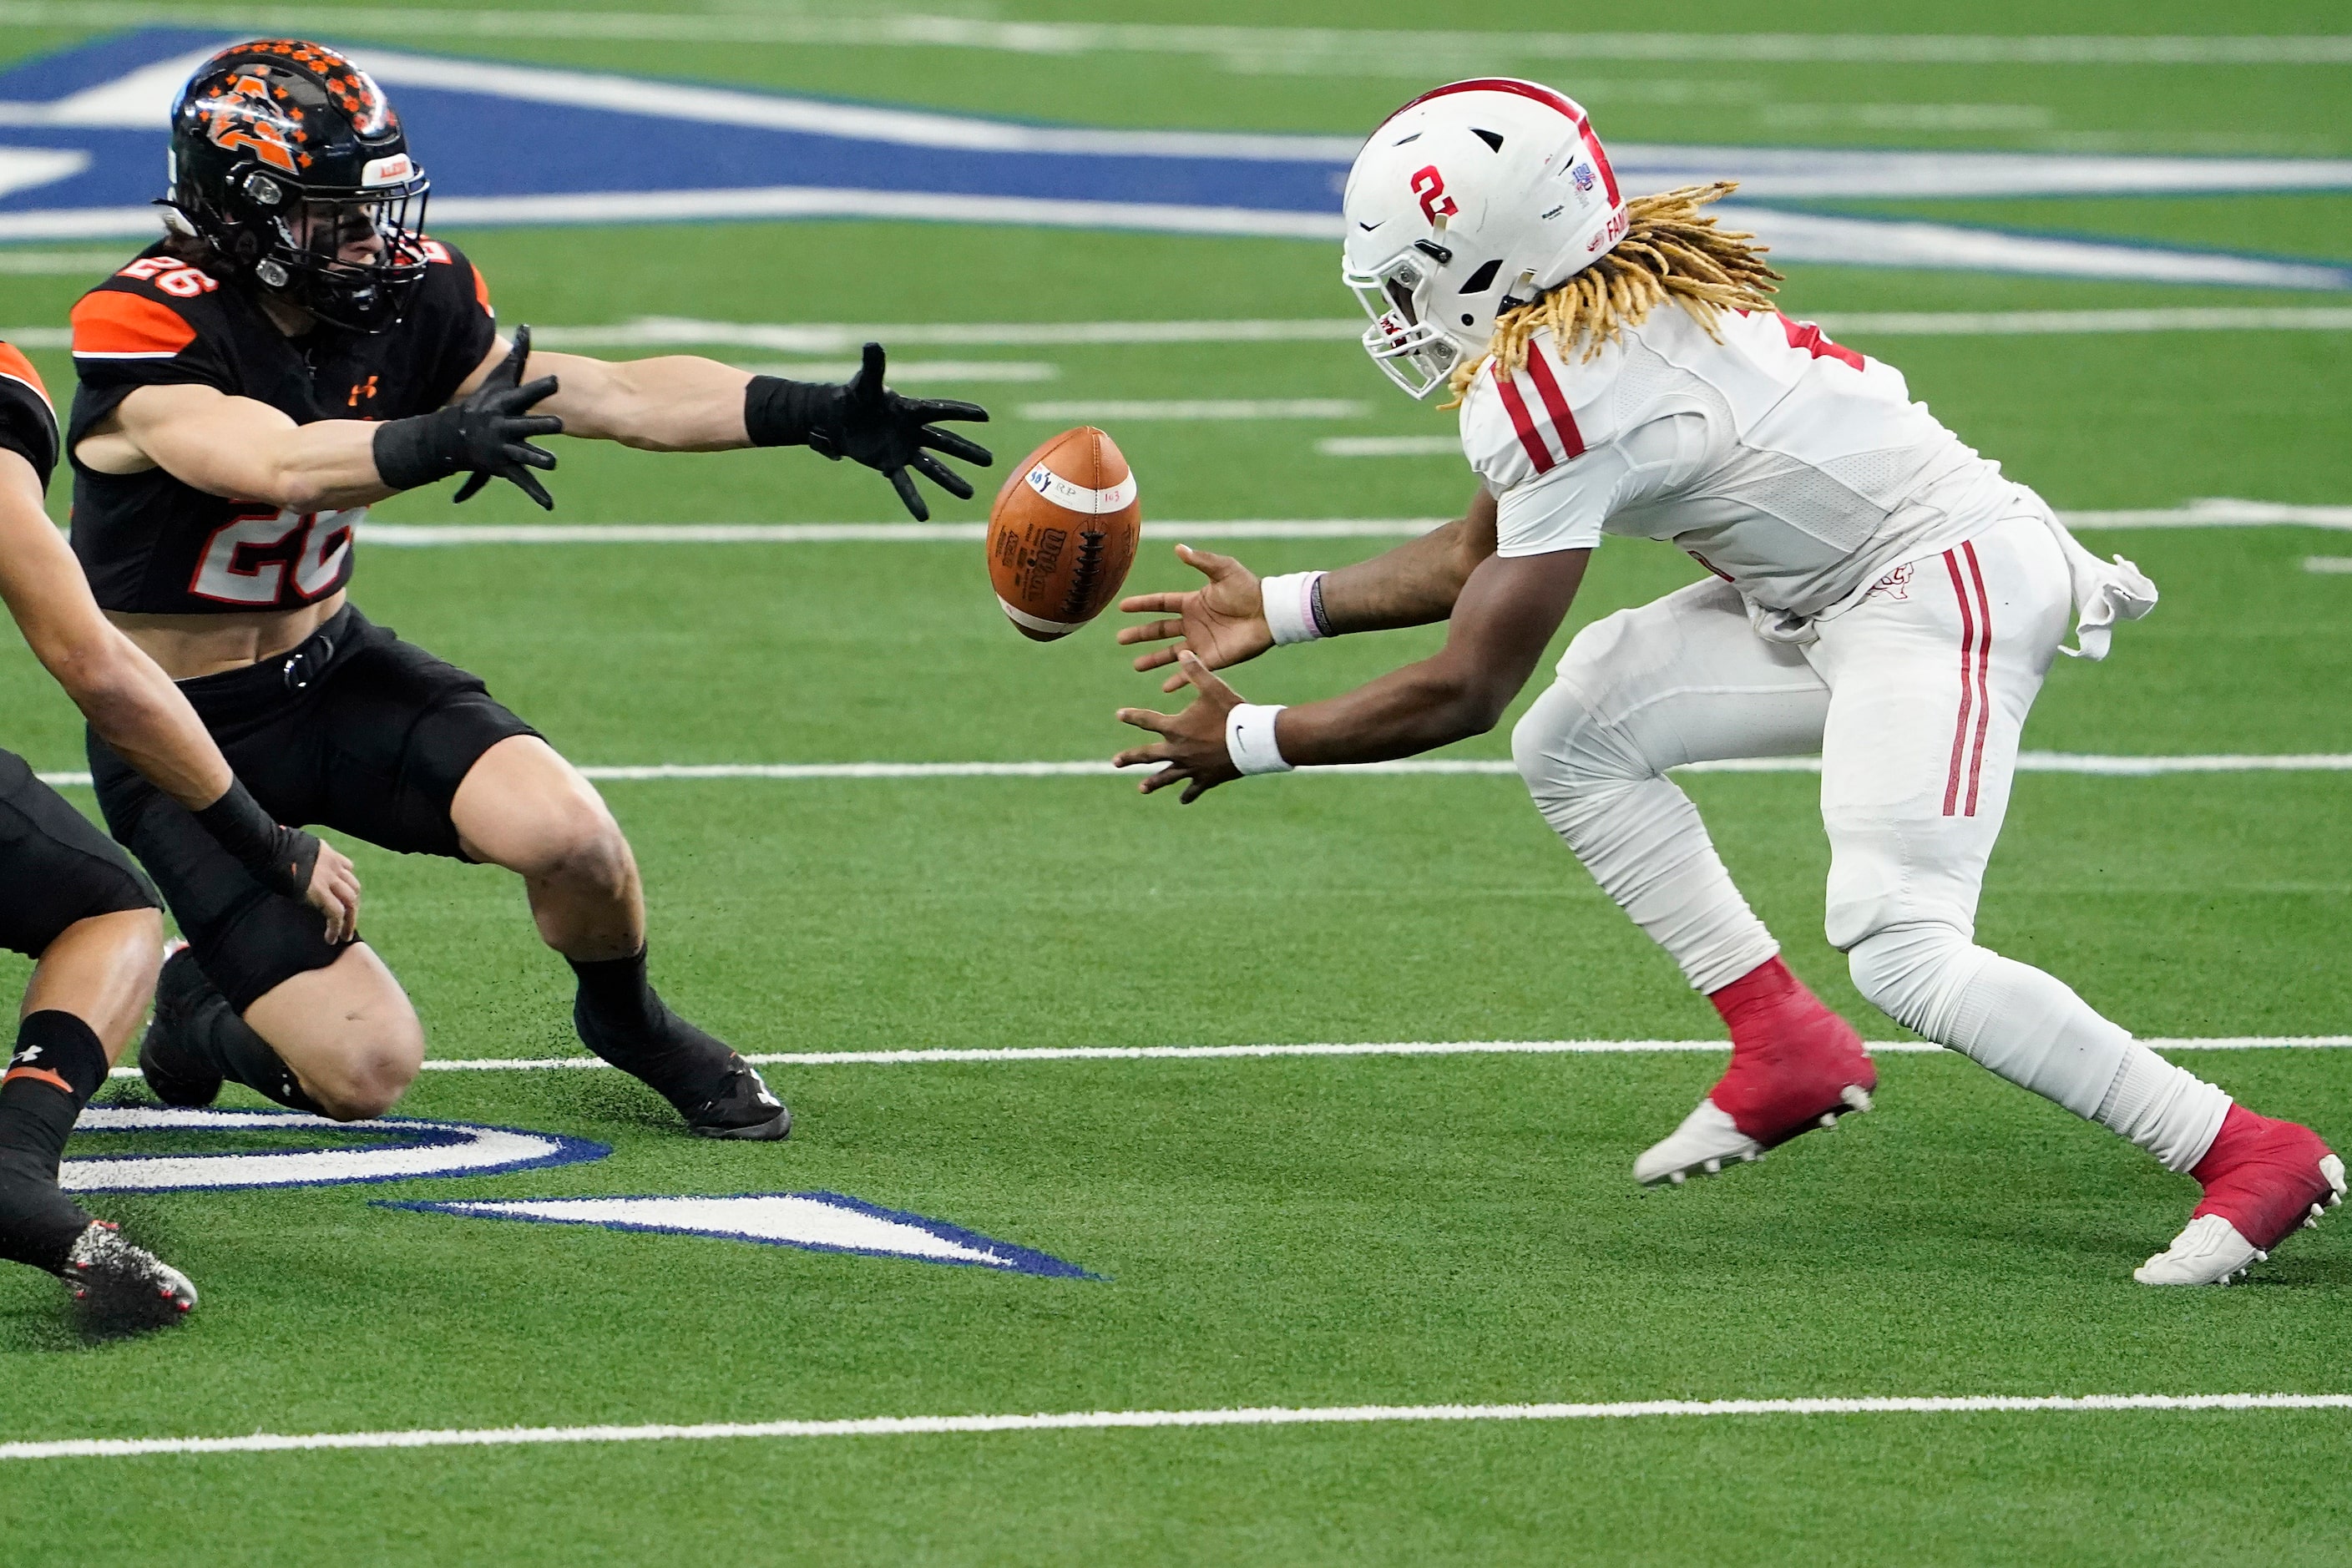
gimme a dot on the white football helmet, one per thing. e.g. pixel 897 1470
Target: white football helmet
pixel 1477 196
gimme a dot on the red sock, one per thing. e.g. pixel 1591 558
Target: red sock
pixel 2262 1176
pixel 1760 991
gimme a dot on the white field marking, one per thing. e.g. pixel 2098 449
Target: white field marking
pixel 1791 236
pixel 1440 767
pixel 1107 1420
pixel 1198 408
pixel 649 332
pixel 93 263
pixel 909 371
pixel 23 168
pixel 1373 47
pixel 833 338
pixel 2217 512
pixel 1884 242
pixel 1389 446
pixel 2197 514
pixel 406 535
pixel 2327 563
pixel 933 1056
pixel 2022 323
pixel 782 203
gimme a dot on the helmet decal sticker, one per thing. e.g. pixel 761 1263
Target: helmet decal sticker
pixel 243 116
pixel 1430 187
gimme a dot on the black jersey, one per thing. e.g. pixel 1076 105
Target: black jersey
pixel 28 426
pixel 151 543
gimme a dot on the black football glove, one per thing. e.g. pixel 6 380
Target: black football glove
pixel 488 432
pixel 866 422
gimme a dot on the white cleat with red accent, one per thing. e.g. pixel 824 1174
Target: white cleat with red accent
pixel 2263 1181
pixel 1707 1141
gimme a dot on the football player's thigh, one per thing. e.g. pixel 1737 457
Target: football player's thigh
pixel 523 806
pixel 1685 678
pixel 1929 691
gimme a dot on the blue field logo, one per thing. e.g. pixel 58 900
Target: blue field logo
pixel 82 136
pixel 395 1149
pixel 817 1222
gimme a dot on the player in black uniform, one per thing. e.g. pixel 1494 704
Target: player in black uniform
pixel 72 901
pixel 294 350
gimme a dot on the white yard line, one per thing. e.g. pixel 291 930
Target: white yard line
pixel 1380 48
pixel 924 1058
pixel 1390 447
pixel 835 337
pixel 2328 563
pixel 1104 412
pixel 2215 513
pixel 906 372
pixel 1112 1420
pixel 1439 767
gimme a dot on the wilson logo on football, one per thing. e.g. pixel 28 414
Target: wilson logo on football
pixel 1430 187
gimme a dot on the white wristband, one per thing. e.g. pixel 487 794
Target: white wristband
pixel 1289 603
pixel 1249 738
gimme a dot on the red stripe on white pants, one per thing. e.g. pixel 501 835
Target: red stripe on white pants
pixel 1984 671
pixel 1967 692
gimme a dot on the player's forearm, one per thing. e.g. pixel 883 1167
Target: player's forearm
pixel 679 402
pixel 322 467
pixel 133 707
pixel 1410 585
pixel 1403 713
pixel 126 697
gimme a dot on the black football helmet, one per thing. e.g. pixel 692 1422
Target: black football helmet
pixel 287 160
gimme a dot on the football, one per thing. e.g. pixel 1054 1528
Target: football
pixel 1062 534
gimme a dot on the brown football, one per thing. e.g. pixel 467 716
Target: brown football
pixel 1062 534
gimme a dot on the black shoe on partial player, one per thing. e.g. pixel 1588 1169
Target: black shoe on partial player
pixel 119 1289
pixel 746 1108
pixel 719 1093
pixel 174 1073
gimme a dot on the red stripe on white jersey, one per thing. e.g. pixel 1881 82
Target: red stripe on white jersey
pixel 1563 423
pixel 1524 423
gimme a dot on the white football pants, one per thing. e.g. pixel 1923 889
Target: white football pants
pixel 1914 698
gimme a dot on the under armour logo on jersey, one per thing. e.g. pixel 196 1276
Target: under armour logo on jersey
pixel 1430 187
pixel 360 390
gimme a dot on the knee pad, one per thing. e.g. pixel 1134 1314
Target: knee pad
pixel 1915 973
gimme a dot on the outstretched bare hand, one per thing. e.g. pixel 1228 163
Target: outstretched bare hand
pixel 1193 742
pixel 1223 621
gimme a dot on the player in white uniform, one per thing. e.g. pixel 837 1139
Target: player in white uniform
pixel 1880 593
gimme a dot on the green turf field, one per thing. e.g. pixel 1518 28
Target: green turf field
pixel 1289 1232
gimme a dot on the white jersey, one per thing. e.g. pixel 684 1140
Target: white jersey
pixel 1798 470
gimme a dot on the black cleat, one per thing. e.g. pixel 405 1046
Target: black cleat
pixel 174 1073
pixel 716 1090
pixel 745 1107
pixel 119 1289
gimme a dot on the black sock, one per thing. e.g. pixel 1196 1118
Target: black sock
pixel 243 1056
pixel 58 1066
pixel 616 996
pixel 621 1018
pixel 212 1031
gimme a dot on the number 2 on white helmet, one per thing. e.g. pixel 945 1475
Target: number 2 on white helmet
pixel 1468 200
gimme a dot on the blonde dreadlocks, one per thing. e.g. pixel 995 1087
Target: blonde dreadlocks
pixel 1671 251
